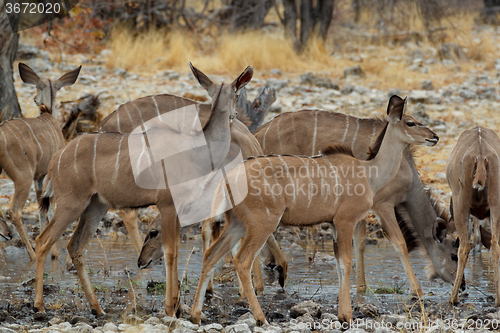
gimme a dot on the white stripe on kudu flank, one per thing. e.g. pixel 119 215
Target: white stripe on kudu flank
pixel 265 180
pixel 346 127
pixel 279 135
pixel 156 104
pixel 336 179
pixel 265 134
pixel 95 155
pixel 130 117
pixel 59 161
pixel 76 149
pixel 315 132
pixel 293 129
pixel 288 175
pixel 38 142
pixel 117 162
pixel 373 133
pixel 355 134
pixel 310 180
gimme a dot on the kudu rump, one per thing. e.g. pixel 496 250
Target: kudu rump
pixel 294 190
pixel 473 174
pixel 408 216
pixel 94 173
pixel 28 144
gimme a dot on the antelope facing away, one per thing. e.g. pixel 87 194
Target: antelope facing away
pixel 472 172
pixel 306 191
pixel 94 173
pixel 132 114
pixel 152 249
pixel 408 216
pixel 29 144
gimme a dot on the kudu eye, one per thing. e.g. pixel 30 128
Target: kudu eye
pixel 454 257
pixel 153 233
pixel 410 124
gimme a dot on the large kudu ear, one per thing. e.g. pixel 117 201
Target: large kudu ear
pixel 395 108
pixel 204 81
pixel 243 79
pixel 440 229
pixel 29 76
pixel 67 79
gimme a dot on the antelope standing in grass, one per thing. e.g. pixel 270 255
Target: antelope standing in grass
pixel 472 172
pixel 281 191
pixel 94 173
pixel 410 219
pixel 132 114
pixel 28 144
pixel 152 249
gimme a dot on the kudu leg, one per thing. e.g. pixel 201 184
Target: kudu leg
pixel 495 250
pixel 391 228
pixel 43 216
pixel 21 193
pixel 130 218
pixel 228 239
pixel 170 227
pixel 342 248
pixel 359 250
pixel 279 257
pixel 461 217
pixel 258 282
pixel 206 234
pixel 87 226
pixel 63 217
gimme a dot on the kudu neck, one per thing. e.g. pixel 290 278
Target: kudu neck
pixel 218 135
pixel 387 160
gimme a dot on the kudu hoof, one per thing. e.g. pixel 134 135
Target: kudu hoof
pixel 281 278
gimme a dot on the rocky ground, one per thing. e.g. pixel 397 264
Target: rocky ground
pixel 468 95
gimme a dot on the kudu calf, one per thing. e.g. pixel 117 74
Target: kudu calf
pixel 408 216
pixel 94 172
pixel 473 174
pixel 294 190
pixel 28 144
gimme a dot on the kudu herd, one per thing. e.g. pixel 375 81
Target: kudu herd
pixel 347 166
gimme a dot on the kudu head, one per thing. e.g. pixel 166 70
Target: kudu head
pixel 217 133
pixel 5 234
pixel 46 89
pixel 152 249
pixel 408 129
pixel 444 252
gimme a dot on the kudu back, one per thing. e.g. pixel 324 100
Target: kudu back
pixel 472 171
pixel 83 186
pixel 408 216
pixel 28 144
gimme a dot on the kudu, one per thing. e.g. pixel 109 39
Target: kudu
pixel 152 249
pixel 29 144
pixel 410 219
pixel 132 114
pixel 285 189
pixel 94 173
pixel 472 171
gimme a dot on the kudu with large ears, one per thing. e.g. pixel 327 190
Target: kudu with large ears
pixel 273 198
pixel 473 174
pixel 29 144
pixel 94 172
pixel 46 89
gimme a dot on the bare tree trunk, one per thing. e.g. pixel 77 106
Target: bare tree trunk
pixel 305 21
pixel 249 14
pixel 291 21
pixel 9 106
pixel 325 11
pixel 356 5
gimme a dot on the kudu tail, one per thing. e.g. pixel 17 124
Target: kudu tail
pixel 48 192
pixel 480 173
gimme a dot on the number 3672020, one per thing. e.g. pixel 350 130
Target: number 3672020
pixel 32 8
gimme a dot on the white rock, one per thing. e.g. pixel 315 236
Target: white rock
pixel 153 321
pixel 110 327
pixel 237 328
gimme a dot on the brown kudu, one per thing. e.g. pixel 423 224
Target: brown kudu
pixel 472 172
pixel 152 249
pixel 94 173
pixel 28 144
pixel 410 219
pixel 264 207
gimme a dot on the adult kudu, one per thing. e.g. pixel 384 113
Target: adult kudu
pixel 94 173
pixel 274 197
pixel 28 144
pixel 408 216
pixel 472 171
